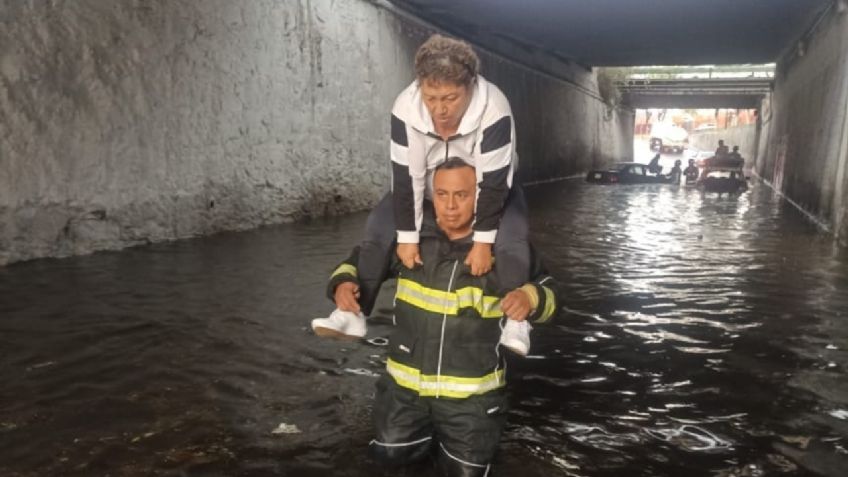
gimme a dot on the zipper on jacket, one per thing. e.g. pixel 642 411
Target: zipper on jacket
pixel 447 145
pixel 498 356
pixel 442 339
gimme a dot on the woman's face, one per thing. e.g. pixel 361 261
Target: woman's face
pixel 446 103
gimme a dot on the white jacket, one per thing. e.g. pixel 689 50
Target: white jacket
pixel 485 139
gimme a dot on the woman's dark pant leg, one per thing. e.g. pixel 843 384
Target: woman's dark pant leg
pixel 512 248
pixel 375 252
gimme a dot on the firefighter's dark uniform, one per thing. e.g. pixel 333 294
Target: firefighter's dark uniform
pixel 445 371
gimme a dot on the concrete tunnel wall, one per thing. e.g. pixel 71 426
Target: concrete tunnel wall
pixel 804 137
pixel 124 123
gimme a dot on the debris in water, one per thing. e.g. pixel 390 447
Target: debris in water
pixel 41 365
pixel 362 372
pixel 802 441
pixel 378 341
pixel 839 414
pixel 284 428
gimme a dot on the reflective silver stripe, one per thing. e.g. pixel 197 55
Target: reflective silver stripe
pixel 414 381
pixel 402 444
pixel 463 462
pixel 473 297
pixel 449 302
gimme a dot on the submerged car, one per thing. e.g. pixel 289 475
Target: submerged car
pixel 626 173
pixel 723 180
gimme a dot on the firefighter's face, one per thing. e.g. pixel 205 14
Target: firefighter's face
pixel 454 196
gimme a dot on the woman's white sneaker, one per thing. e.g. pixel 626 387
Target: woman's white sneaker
pixel 516 336
pixel 341 324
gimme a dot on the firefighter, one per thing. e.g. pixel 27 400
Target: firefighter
pixel 443 390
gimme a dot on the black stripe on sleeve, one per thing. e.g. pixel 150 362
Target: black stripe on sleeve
pixel 497 135
pixel 403 199
pixel 490 203
pixel 399 132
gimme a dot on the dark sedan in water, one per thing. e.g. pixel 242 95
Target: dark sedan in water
pixel 626 173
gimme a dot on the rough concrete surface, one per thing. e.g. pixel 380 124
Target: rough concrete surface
pixel 123 123
pixel 804 124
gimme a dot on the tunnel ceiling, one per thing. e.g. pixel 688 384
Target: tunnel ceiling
pixel 630 32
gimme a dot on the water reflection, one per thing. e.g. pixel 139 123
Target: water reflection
pixel 694 302
pixel 699 335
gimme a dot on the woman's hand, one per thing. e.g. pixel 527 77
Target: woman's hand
pixel 347 296
pixel 480 258
pixel 408 254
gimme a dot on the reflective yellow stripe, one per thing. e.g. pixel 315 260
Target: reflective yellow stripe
pixel 344 268
pixel 449 303
pixel 473 297
pixel 429 299
pixel 449 386
pixel 550 306
pixel 532 294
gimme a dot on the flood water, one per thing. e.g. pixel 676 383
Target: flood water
pixel 699 335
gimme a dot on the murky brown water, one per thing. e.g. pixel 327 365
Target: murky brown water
pixel 700 336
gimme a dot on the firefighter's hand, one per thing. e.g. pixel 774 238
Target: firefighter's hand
pixel 516 305
pixel 480 258
pixel 408 254
pixel 347 296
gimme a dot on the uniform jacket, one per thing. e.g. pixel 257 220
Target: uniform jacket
pixel 485 139
pixel 448 322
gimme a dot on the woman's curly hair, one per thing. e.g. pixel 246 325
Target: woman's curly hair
pixel 446 59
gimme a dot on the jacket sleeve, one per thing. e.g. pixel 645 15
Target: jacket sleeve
pixel 542 290
pixel 495 168
pixel 408 183
pixel 344 272
pixel 347 271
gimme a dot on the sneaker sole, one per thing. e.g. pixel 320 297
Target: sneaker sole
pixel 515 349
pixel 333 333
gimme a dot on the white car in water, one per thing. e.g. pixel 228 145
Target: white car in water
pixel 669 138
